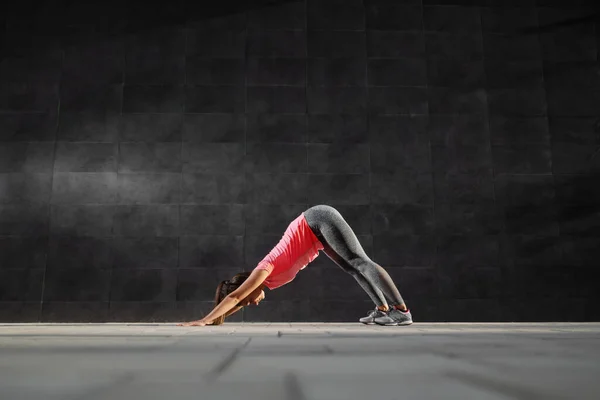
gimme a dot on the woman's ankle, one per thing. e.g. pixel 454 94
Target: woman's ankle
pixel 383 308
pixel 401 307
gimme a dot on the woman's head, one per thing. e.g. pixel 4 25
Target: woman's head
pixel 226 287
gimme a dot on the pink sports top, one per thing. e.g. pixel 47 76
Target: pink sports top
pixel 298 247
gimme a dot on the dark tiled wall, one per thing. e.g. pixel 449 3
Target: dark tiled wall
pixel 145 157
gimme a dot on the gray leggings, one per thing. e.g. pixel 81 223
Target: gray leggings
pixel 342 246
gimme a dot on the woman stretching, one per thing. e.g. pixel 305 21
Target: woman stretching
pixel 318 228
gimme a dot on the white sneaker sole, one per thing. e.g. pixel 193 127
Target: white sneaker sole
pixel 404 323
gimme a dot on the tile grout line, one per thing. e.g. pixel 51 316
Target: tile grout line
pixel 293 387
pixel 49 211
pixel 228 361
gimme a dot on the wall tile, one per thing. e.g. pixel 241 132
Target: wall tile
pixel 404 250
pixel 85 157
pixel 19 187
pixel 454 45
pixel 336 100
pixel 463 159
pixel 455 73
pixel 532 220
pixel 573 102
pixel 514 74
pixel 456 251
pixel 147 188
pixel 522 159
pixel 24 219
pixel 217 128
pixel 212 158
pixel 150 127
pixel 35 157
pixel 525 190
pixel 397 72
pixel 20 311
pixel 143 285
pixel 290 15
pixel 276 157
pixel 276 188
pixel 146 252
pixel 199 284
pixel 449 100
pixel 332 44
pixel 214 71
pixel 216 220
pixel 464 188
pixel 519 130
pixel 84 188
pixel 276 99
pixel 511 47
pixel 401 188
pixel 398 100
pixel 82 220
pixel 276 44
pixel 342 158
pixel 451 19
pixel 400 158
pixel 150 157
pixel 21 284
pixel 74 312
pixel 153 98
pixel 214 99
pixel 472 219
pixel 336 71
pixel 24 127
pixel 23 252
pixel 21 97
pixel 335 14
pixel 146 221
pixel 76 284
pixel 452 130
pixel 508 19
pixel 577 189
pixel 95 126
pixel 70 252
pixel 102 62
pixel 213 188
pixel 391 44
pixel 276 128
pixel 351 189
pixel 402 219
pixel 517 102
pixel 112 98
pixel 41 68
pixel 568 43
pixel 224 252
pixel 337 129
pixel 276 71
pixel 216 43
pixel 393 16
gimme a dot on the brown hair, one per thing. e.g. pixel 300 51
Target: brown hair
pixel 226 287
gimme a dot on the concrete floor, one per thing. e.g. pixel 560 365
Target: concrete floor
pixel 300 361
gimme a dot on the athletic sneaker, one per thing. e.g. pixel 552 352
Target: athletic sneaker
pixel 394 317
pixel 370 319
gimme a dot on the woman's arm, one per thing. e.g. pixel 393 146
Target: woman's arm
pixel 230 302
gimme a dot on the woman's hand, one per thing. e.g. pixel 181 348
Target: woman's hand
pixel 194 323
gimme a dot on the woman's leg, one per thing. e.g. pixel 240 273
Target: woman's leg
pixel 339 239
pixel 373 291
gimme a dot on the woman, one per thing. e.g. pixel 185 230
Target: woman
pixel 318 228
